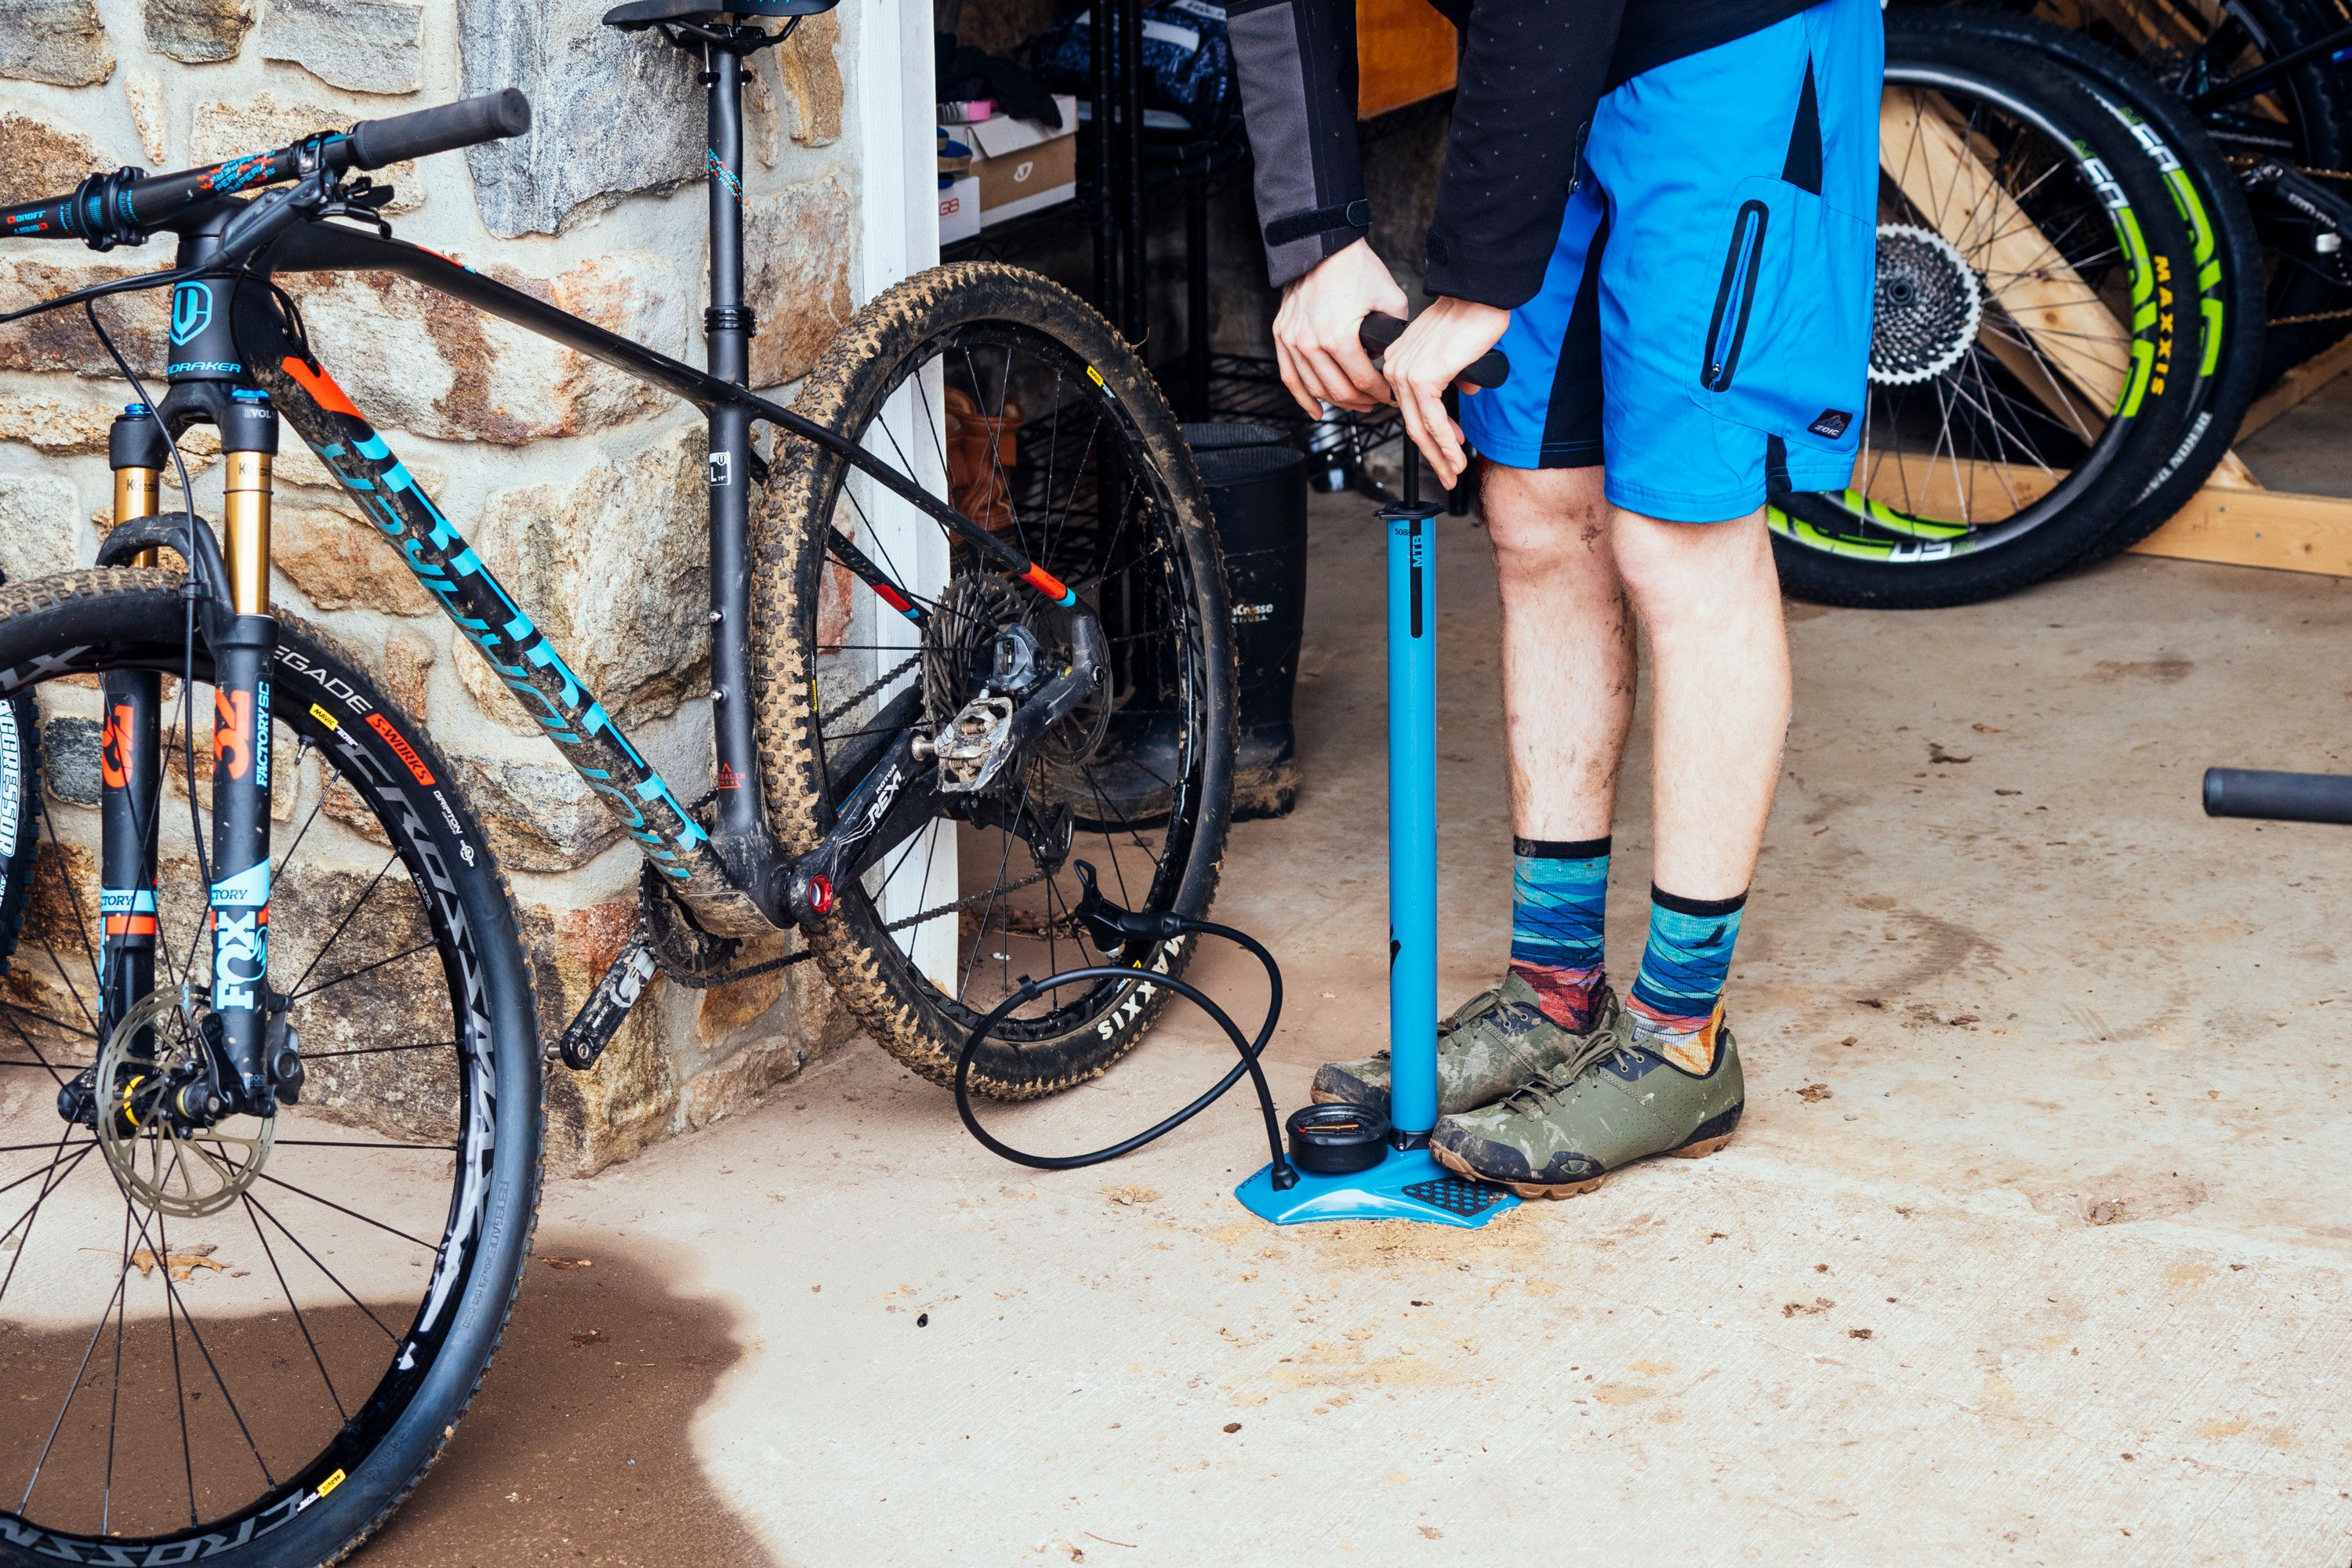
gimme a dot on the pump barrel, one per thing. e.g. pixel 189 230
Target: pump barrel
pixel 1412 817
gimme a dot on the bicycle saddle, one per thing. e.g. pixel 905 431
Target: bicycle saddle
pixel 641 14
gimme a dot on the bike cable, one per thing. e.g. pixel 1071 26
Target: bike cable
pixel 1111 928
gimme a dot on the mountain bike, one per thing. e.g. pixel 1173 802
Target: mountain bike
pixel 270 1063
pixel 2035 349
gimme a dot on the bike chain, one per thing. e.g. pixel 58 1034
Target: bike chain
pixel 769 966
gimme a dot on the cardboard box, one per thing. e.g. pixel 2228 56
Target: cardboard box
pixel 959 209
pixel 1023 165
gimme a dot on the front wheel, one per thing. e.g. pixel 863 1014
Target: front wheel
pixel 229 1338
pixel 1005 393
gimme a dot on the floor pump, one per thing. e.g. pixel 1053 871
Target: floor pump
pixel 1343 1162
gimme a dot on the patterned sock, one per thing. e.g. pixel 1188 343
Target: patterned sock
pixel 1559 890
pixel 1677 1002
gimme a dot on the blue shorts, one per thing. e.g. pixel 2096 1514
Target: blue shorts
pixel 1703 332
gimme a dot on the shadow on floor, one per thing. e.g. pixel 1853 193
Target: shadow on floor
pixel 579 1449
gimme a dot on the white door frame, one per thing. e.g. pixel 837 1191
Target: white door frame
pixel 900 236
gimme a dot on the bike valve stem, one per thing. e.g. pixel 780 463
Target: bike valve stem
pixel 245 507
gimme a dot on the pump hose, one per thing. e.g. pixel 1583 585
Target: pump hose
pixel 1159 925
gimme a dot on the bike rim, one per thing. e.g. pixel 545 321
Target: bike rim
pixel 217 1375
pixel 1998 432
pixel 1039 450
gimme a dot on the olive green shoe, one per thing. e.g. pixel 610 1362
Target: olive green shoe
pixel 1614 1102
pixel 1492 1043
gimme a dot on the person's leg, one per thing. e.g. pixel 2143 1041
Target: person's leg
pixel 1710 598
pixel 1567 703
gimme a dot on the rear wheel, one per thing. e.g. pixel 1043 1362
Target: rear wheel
pixel 237 1338
pixel 2230 276
pixel 1006 394
pixel 2306 120
pixel 2030 371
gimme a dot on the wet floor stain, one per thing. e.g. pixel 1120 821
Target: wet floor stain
pixel 578 1449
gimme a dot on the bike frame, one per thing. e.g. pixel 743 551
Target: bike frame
pixel 238 362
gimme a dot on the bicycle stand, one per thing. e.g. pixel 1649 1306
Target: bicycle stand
pixel 1406 1183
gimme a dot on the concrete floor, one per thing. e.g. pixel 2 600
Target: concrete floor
pixel 2031 1250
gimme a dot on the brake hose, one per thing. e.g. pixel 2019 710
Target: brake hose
pixel 1110 927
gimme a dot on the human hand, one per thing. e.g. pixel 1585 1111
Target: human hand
pixel 1431 355
pixel 1314 332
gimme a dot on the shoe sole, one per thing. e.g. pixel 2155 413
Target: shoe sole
pixel 1697 1148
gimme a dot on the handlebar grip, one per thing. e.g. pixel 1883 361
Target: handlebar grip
pixel 489 118
pixel 1378 331
pixel 2279 797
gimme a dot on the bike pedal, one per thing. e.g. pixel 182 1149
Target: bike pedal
pixel 607 1007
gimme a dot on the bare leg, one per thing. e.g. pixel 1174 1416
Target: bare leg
pixel 1568 648
pixel 1709 597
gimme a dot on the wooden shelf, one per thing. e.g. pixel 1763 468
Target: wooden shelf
pixel 1405 53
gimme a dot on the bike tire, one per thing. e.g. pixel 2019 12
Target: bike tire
pixel 2226 248
pixel 1860 547
pixel 20 772
pixel 2309 123
pixel 877 353
pixel 315 1508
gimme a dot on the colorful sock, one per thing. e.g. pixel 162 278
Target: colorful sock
pixel 1560 891
pixel 1678 998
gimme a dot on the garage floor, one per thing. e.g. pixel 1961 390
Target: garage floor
pixel 2032 1247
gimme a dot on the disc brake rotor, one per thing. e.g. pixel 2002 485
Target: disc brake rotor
pixel 1930 306
pixel 164 1161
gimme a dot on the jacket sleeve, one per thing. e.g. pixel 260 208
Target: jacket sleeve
pixel 1532 71
pixel 1297 62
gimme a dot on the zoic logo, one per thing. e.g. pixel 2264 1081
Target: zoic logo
pixel 192 310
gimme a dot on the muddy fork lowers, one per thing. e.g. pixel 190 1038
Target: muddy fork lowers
pixel 1349 1170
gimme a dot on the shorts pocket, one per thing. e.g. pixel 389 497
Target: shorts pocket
pixel 1785 345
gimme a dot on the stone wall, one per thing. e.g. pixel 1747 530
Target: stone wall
pixel 580 487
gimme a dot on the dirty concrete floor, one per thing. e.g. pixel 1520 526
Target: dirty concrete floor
pixel 2031 1250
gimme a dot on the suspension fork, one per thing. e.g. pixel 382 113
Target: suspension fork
pixel 243 650
pixel 130 762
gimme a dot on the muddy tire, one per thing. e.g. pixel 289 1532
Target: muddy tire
pixel 1139 552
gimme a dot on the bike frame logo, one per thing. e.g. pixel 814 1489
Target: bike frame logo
pixel 192 310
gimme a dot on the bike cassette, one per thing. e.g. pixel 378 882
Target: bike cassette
pixel 1930 306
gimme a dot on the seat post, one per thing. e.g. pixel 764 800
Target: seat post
pixel 739 832
pixel 727 325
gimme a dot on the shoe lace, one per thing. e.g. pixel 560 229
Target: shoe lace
pixel 1596 1050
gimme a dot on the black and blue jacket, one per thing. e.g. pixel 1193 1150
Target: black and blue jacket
pixel 1532 72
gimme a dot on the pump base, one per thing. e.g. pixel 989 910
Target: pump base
pixel 1405 1185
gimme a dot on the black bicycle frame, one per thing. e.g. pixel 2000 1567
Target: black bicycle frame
pixel 733 874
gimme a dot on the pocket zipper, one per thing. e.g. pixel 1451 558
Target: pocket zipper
pixel 1739 271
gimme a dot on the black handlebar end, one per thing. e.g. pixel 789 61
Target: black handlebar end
pixel 468 122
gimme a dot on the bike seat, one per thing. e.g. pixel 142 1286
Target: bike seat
pixel 641 14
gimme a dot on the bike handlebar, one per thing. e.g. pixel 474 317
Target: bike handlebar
pixel 127 206
pixel 2278 797
pixel 1378 331
pixel 492 117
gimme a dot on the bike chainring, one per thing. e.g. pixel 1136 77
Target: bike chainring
pixel 684 949
pixel 1930 304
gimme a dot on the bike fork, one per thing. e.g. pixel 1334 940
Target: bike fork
pixel 130 765
pixel 243 650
